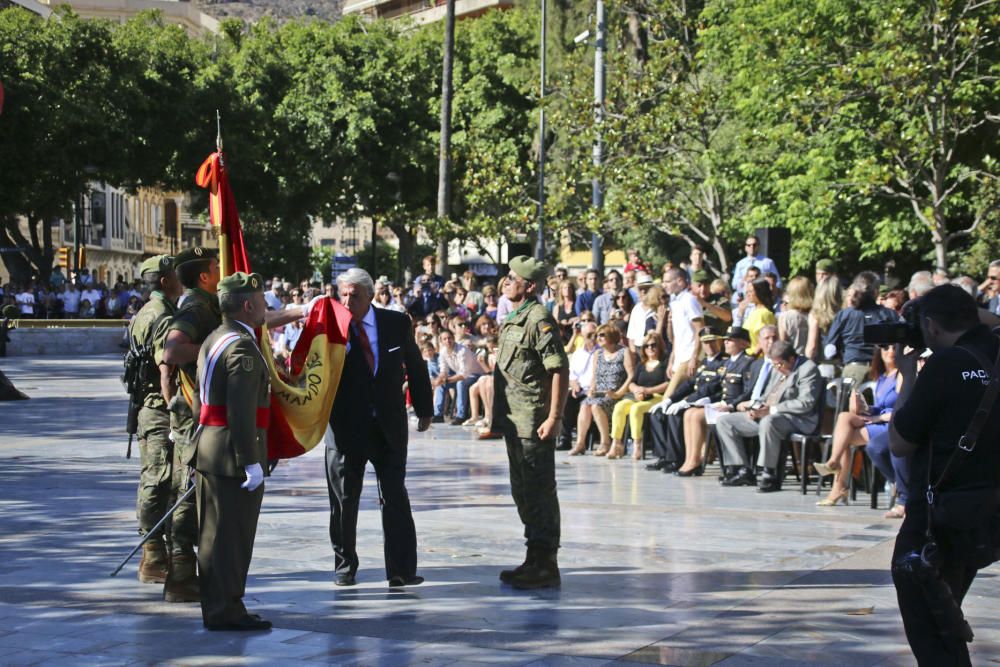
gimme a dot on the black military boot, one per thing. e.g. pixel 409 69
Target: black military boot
pixel 725 472
pixel 542 573
pixel 182 580
pixel 153 563
pixel 506 576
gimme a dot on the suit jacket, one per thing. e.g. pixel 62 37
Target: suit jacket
pixel 239 387
pixel 755 368
pixel 435 303
pixel 801 394
pixel 362 398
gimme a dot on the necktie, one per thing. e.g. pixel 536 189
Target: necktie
pixel 774 396
pixel 366 346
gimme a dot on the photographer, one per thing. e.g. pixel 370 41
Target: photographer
pixel 944 539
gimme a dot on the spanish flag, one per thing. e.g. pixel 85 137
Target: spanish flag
pixel 301 399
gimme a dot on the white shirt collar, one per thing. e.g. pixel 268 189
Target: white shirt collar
pixel 247 327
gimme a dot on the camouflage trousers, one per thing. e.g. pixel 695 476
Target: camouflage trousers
pixel 533 486
pixel 162 480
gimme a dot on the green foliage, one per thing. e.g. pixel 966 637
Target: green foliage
pixel 864 127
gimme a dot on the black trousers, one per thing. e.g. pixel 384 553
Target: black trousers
pixel 570 414
pixel 929 647
pixel 345 473
pixel 667 434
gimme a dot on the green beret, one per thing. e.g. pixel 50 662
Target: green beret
pixel 529 268
pixel 700 276
pixel 826 266
pixel 196 254
pixel 241 283
pixel 157 264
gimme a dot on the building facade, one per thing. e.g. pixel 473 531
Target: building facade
pixel 421 11
pixel 179 12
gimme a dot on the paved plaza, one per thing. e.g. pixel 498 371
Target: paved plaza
pixel 656 569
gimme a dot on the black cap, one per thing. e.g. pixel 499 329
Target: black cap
pixel 738 333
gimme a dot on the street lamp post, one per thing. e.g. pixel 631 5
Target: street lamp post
pixel 540 241
pixel 596 240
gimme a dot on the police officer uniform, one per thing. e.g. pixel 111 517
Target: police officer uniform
pixel 234 389
pixel 667 431
pixel 197 316
pixel 156 451
pixel 736 384
pixel 934 416
pixel 529 352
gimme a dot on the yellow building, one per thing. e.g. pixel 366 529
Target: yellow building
pixel 421 11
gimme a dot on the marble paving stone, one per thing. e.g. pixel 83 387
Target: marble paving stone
pixel 656 569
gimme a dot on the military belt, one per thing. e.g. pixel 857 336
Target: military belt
pixel 215 415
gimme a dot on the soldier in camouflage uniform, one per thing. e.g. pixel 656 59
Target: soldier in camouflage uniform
pixel 197 316
pixel 531 379
pixel 156 451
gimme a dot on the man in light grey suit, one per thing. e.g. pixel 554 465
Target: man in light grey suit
pixel 789 405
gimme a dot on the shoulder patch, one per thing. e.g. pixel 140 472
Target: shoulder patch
pixel 247 363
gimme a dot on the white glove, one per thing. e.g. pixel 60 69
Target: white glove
pixel 702 402
pixel 255 477
pixel 661 406
pixel 677 407
pixel 830 351
pixel 307 308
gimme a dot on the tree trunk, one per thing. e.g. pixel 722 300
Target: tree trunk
pixel 407 247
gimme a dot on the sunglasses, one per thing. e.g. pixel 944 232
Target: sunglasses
pixel 601 336
pixel 650 346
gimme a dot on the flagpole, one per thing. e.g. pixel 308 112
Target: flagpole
pixel 225 262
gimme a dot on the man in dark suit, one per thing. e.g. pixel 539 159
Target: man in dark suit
pixel 369 423
pixel 427 301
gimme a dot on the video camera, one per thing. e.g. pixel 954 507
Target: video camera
pixel 906 332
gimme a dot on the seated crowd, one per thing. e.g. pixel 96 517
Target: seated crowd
pixel 686 364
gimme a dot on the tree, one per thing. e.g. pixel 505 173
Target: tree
pixel 107 103
pixel 55 123
pixel 872 119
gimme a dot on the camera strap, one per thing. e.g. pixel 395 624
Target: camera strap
pixel 967 443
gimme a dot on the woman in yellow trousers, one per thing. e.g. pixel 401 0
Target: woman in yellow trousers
pixel 644 392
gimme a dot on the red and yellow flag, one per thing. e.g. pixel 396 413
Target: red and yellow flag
pixel 301 399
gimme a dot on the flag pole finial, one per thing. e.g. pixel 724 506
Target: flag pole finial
pixel 218 131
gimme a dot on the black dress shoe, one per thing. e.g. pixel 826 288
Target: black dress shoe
pixel 563 447
pixel 344 579
pixel 399 582
pixel 769 485
pixel 659 464
pixel 249 623
pixel 437 419
pixel 670 467
pixel 742 478
pixel 694 472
